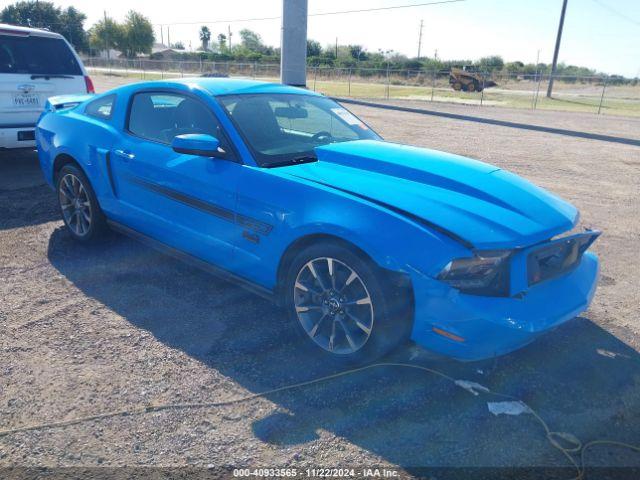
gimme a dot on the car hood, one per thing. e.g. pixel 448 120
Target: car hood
pixel 479 204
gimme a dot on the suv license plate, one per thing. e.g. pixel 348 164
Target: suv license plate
pixel 26 100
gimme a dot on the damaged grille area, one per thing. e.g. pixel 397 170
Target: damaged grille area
pixel 558 257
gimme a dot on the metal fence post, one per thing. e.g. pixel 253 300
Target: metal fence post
pixel 315 77
pixel 433 84
pixel 388 81
pixel 535 103
pixel 604 86
pixel 349 82
pixel 482 92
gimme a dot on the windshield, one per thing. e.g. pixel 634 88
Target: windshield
pixel 37 55
pixel 283 129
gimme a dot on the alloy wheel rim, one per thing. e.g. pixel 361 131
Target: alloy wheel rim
pixel 333 305
pixel 75 204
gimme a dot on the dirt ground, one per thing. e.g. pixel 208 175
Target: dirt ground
pixel 90 329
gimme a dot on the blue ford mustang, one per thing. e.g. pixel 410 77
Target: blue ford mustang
pixel 365 243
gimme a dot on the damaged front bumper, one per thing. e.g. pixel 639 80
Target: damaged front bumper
pixel 472 327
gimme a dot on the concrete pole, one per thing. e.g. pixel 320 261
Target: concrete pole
pixel 293 51
pixel 554 66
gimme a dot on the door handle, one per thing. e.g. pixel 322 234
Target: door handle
pixel 123 154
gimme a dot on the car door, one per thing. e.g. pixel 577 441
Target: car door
pixel 185 201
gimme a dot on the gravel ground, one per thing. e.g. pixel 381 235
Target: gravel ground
pixel 90 329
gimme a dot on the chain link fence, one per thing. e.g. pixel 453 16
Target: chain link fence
pixel 594 94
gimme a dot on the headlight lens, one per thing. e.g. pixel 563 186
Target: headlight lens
pixel 486 273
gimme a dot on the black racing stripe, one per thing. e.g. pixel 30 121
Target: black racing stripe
pixel 402 212
pixel 187 199
pixel 210 208
pixel 253 224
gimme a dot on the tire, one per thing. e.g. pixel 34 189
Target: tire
pixel 471 87
pixel 457 86
pixel 79 206
pixel 356 310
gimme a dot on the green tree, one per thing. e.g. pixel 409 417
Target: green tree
pixel 137 35
pixel 222 42
pixel 205 37
pixel 72 28
pixel 314 49
pixel 107 34
pixel 32 14
pixel 513 67
pixel 489 64
pixel 358 52
pixel 251 41
pixel 69 22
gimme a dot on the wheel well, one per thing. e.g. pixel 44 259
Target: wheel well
pixel 399 280
pixel 62 160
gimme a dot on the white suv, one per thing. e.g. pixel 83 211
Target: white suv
pixel 34 65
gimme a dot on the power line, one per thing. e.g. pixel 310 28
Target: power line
pixel 320 14
pixel 617 13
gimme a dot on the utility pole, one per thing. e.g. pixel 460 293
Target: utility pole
pixel 106 36
pixel 336 48
pixel 293 55
pixel 420 39
pixel 168 36
pixel 554 66
pixel 162 34
pixel 229 35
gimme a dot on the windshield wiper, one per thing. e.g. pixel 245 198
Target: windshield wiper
pixel 48 76
pixel 295 161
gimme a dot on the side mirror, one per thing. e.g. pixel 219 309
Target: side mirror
pixel 197 144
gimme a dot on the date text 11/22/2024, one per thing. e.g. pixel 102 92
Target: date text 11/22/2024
pixel 316 472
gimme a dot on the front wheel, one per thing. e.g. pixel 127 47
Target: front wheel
pixel 78 204
pixel 343 304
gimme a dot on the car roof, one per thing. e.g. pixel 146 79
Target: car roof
pixel 5 28
pixel 230 86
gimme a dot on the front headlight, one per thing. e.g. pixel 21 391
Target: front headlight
pixel 486 273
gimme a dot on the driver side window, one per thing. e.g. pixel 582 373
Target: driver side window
pixel 160 117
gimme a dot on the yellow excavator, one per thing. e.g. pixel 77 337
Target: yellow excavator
pixel 469 79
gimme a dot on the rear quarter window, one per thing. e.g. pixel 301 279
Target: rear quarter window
pixel 101 107
pixel 37 56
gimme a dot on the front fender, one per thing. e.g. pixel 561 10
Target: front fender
pixel 297 208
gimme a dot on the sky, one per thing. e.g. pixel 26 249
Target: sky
pixel 600 34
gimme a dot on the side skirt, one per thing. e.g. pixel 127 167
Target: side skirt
pixel 194 261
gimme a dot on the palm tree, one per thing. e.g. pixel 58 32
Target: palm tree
pixel 222 41
pixel 205 36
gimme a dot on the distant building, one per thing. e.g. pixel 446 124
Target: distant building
pixel 111 54
pixel 161 51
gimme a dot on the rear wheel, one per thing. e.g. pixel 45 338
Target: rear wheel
pixel 471 87
pixel 457 86
pixel 343 304
pixel 78 204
